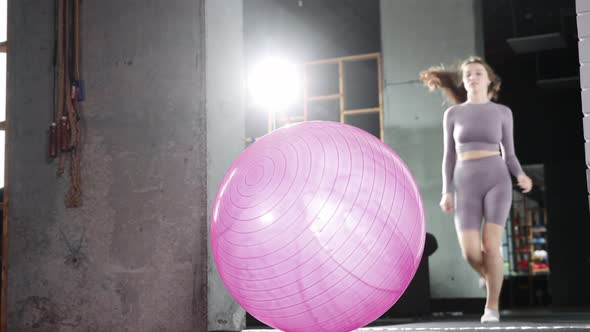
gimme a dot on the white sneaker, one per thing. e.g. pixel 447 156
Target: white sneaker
pixel 490 316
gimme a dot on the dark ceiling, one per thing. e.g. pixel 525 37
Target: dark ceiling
pixel 542 87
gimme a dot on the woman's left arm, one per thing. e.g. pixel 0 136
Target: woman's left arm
pixel 509 154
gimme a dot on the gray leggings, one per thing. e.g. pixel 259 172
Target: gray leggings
pixel 483 188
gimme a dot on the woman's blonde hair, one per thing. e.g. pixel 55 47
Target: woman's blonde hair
pixel 451 83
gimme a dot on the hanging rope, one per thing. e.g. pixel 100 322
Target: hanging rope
pixel 60 83
pixel 67 117
pixel 53 139
pixel 74 195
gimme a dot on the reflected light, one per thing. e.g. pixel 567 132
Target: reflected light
pixel 274 84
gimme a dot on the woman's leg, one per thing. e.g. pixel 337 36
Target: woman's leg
pixel 471 249
pixel 493 263
pixel 469 209
pixel 497 204
pixel 468 219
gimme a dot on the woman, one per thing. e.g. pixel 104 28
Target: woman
pixel 474 172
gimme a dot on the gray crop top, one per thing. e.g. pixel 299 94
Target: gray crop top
pixel 470 127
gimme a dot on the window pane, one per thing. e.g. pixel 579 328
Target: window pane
pixel 3 20
pixel 3 37
pixel 2 158
pixel 2 87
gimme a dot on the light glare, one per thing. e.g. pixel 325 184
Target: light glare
pixel 274 84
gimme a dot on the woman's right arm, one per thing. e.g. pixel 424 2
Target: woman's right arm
pixel 449 154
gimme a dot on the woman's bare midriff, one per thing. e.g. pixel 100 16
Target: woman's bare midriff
pixel 477 154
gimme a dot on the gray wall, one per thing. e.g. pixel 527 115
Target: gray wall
pixel 225 132
pixel 583 10
pixel 416 35
pixel 140 238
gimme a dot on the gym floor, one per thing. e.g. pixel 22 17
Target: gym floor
pixel 512 320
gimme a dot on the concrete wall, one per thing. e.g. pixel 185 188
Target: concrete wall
pixel 225 132
pixel 133 257
pixel 567 193
pixel 416 35
pixel 583 10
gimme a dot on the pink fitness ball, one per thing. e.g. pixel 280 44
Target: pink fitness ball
pixel 317 226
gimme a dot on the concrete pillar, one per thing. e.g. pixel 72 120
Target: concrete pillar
pixel 225 133
pixel 133 257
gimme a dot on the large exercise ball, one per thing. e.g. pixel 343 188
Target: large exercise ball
pixel 317 226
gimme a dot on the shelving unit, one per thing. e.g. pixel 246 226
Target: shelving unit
pixel 525 246
pixel 529 236
pixel 334 105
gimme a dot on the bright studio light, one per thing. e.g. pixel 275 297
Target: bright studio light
pixel 274 84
